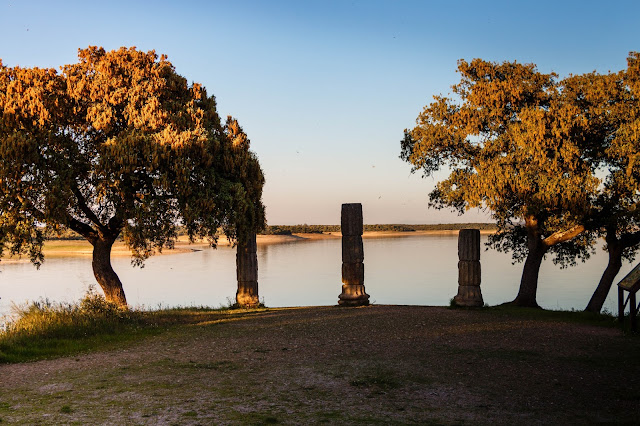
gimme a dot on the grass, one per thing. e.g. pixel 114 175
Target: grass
pixel 47 330
pixel 44 329
pixel 604 319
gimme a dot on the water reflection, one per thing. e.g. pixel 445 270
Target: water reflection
pixel 419 270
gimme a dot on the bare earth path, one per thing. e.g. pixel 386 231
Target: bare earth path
pixel 329 365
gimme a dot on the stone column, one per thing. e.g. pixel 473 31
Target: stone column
pixel 247 272
pixel 353 293
pixel 469 293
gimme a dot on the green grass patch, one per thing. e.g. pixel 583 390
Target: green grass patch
pixel 581 317
pixel 43 329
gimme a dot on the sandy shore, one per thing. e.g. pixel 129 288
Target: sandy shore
pixel 63 248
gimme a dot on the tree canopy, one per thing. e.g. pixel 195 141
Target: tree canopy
pixel 611 105
pixel 119 144
pixel 515 146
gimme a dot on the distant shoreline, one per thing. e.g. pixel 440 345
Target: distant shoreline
pixel 71 248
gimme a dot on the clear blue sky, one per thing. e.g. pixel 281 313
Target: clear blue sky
pixel 325 88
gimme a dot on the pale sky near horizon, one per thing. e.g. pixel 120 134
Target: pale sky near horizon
pixel 325 88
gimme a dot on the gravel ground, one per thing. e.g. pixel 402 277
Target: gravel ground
pixel 330 365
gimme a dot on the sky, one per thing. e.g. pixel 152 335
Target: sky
pixel 324 89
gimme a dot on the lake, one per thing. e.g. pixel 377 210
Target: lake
pixel 411 270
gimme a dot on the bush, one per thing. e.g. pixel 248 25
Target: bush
pixel 42 329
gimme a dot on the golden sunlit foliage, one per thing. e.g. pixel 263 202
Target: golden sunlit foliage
pixel 119 144
pixel 526 147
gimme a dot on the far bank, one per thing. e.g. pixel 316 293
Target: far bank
pixel 76 247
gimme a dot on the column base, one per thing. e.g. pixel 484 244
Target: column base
pixel 353 295
pixel 469 295
pixel 247 294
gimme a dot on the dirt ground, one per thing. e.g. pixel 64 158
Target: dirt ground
pixel 330 365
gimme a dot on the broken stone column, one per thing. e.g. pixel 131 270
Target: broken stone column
pixel 247 272
pixel 353 293
pixel 469 293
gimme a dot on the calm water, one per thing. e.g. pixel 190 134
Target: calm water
pixel 415 270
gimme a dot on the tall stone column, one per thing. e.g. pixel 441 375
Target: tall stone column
pixel 247 272
pixel 469 273
pixel 353 293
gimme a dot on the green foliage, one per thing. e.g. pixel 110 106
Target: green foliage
pixel 119 144
pixel 276 230
pixel 510 148
pixel 318 229
pixel 526 147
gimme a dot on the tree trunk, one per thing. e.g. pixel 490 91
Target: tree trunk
pixel 615 248
pixel 529 283
pixel 104 273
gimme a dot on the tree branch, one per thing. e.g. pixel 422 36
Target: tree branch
pixel 562 236
pixel 85 209
pixel 82 228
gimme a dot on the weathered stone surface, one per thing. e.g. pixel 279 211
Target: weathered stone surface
pixel 247 272
pixel 351 219
pixel 469 244
pixel 353 295
pixel 249 245
pixel 469 295
pixel 353 273
pixel 247 260
pixel 247 267
pixel 469 272
pixel 247 294
pixel 352 249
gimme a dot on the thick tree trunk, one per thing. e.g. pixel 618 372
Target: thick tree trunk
pixel 104 273
pixel 606 281
pixel 615 248
pixel 529 282
pixel 538 247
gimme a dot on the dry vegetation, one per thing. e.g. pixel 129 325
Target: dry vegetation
pixel 374 365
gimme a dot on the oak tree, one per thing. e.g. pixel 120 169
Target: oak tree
pixel 513 146
pixel 611 106
pixel 118 145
